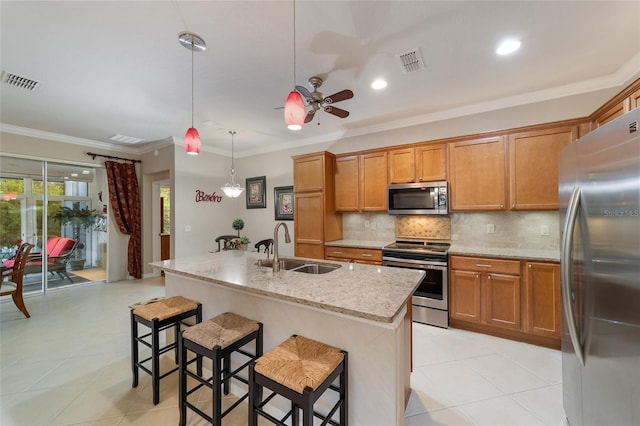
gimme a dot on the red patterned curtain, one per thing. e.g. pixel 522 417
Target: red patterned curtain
pixel 125 203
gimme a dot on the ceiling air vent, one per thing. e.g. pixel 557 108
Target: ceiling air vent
pixel 125 139
pixel 19 82
pixel 411 61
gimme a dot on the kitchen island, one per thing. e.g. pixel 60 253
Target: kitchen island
pixel 359 308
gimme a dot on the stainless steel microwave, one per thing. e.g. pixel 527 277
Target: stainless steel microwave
pixel 424 198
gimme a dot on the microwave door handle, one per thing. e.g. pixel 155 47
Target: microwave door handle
pixel 565 269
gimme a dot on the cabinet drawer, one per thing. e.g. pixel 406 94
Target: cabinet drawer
pixel 486 264
pixel 353 253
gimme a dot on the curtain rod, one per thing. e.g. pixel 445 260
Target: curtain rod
pixel 94 155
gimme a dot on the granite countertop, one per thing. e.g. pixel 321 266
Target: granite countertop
pixel 507 253
pixel 367 291
pixel 367 244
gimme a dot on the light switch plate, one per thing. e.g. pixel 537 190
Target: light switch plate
pixel 491 228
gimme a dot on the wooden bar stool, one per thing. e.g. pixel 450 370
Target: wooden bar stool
pixel 300 370
pixel 159 315
pixel 217 339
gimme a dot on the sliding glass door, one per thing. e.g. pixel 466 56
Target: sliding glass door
pixel 51 206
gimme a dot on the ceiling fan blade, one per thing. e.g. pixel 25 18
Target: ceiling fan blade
pixel 340 96
pixel 309 116
pixel 304 92
pixel 337 111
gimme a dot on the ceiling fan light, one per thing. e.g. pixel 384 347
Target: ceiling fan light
pixel 294 111
pixel 192 141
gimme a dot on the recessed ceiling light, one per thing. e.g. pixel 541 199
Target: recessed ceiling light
pixel 86 172
pixel 378 84
pixel 508 46
pixel 74 175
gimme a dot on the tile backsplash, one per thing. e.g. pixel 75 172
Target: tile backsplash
pixel 510 229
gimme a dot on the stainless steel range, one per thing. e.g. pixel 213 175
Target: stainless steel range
pixel 430 300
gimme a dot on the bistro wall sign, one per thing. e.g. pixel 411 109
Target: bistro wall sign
pixel 202 196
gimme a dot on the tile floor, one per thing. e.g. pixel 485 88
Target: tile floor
pixel 69 364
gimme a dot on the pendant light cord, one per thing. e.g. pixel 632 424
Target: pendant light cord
pixel 233 132
pixel 192 47
pixel 294 44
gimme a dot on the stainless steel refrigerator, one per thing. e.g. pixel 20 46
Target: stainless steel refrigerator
pixel 599 188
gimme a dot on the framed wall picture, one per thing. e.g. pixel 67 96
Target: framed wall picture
pixel 256 192
pixel 283 201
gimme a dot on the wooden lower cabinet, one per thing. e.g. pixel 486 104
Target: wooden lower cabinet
pixel 492 296
pixel 464 295
pixel 355 254
pixel 486 291
pixel 502 300
pixel 542 299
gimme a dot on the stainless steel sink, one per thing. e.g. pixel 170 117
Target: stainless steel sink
pixel 298 265
pixel 316 268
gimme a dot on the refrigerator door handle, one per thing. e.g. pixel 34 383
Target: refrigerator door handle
pixel 567 240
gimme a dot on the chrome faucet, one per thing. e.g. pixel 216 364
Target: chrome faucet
pixel 287 239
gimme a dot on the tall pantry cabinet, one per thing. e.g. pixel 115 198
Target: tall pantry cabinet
pixel 315 216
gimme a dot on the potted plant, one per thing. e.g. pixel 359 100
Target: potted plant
pixel 243 242
pixel 77 217
pixel 238 225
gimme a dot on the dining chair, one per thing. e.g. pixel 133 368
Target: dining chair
pixel 267 244
pixel 227 242
pixel 15 275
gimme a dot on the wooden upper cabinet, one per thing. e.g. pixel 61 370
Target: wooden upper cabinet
pixel 373 182
pixel 611 113
pixel 361 182
pixel 347 183
pixel 423 163
pixel 402 165
pixel 533 167
pixel 309 172
pixel 634 100
pixel 431 163
pixel 477 170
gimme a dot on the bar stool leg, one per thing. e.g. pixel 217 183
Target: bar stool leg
pixel 134 350
pixel 254 396
pixel 344 409
pixel 226 369
pixel 155 362
pixel 217 395
pixel 176 332
pixel 183 382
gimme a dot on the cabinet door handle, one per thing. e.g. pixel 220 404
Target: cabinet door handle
pixel 513 206
pixel 483 265
pixel 489 276
pixel 502 206
pixel 530 266
pixel 477 275
pixel 366 255
pixel 337 252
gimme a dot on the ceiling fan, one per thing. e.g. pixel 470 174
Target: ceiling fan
pixel 316 100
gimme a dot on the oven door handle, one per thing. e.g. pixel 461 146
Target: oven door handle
pixel 410 263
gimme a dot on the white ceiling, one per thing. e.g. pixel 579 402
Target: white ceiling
pixel 116 67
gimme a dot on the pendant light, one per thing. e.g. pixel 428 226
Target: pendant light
pixel 194 43
pixel 294 111
pixel 233 189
